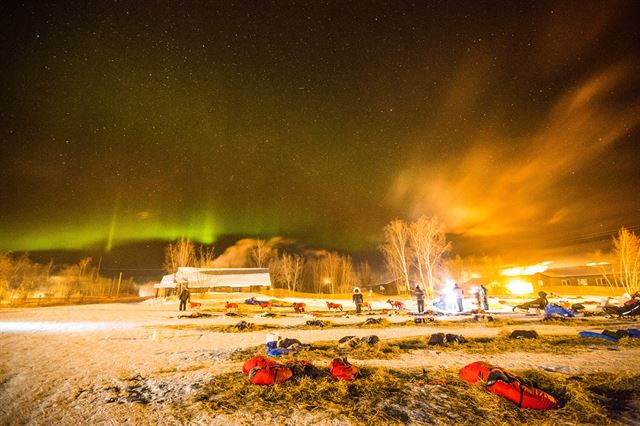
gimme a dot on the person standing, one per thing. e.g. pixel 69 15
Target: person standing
pixel 482 292
pixel 357 299
pixel 458 292
pixel 420 299
pixel 184 297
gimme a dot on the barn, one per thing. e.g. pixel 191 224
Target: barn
pixel 202 280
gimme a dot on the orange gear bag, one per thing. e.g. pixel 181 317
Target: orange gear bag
pixel 342 370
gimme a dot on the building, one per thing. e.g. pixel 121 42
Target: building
pixel 578 280
pixel 201 280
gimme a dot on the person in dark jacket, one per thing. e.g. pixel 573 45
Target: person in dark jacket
pixel 420 299
pixel 184 297
pixel 358 299
pixel 482 298
pixel 457 289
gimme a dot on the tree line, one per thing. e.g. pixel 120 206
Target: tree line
pixel 305 270
pixel 22 278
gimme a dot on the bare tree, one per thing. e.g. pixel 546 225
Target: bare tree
pixel 364 274
pixel 428 246
pixel 395 249
pixel 327 272
pixel 287 270
pixel 180 253
pixel 205 256
pixel 261 253
pixel 626 267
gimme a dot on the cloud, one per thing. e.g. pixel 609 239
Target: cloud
pixel 502 185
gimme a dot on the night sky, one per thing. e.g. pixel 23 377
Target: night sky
pixel 517 122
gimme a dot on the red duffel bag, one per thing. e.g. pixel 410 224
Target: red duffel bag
pixel 476 371
pixel 270 375
pixel 524 396
pixel 503 383
pixel 342 370
pixel 257 361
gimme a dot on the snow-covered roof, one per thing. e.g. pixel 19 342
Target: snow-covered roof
pixel 577 271
pixel 217 277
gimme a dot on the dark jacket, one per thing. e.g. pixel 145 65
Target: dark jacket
pixel 357 298
pixel 482 292
pixel 419 293
pixel 184 295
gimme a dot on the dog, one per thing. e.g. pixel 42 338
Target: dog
pixel 231 306
pixel 366 305
pixel 265 305
pixel 299 307
pixel 195 305
pixel 335 306
pixel 396 304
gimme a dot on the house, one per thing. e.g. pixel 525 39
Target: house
pixel 201 280
pixel 578 280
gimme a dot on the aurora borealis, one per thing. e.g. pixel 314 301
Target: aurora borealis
pixel 515 122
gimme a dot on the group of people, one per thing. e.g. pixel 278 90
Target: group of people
pixel 481 296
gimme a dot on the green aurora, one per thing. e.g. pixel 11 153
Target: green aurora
pixel 517 124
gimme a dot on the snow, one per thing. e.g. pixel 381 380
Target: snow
pixel 48 355
pixel 58 327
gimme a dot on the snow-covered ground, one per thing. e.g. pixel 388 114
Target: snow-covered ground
pixel 49 356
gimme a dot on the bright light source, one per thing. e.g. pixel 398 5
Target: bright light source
pixel 525 270
pixel 517 286
pixel 598 263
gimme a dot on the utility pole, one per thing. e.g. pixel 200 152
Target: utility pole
pixel 119 281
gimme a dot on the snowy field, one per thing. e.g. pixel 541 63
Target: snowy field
pixel 57 364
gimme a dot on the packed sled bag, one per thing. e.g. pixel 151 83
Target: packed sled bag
pixel 553 310
pixel 270 375
pixel 578 307
pixel 524 334
pixel 524 396
pixel 508 386
pixel 349 341
pixel 257 361
pixel 342 370
pixel 476 371
pixel 437 339
pixel 455 338
pixel 597 336
pixel 370 340
pixel 303 368
pixel 287 343
pixel 616 334
pixel 277 351
pixel 634 333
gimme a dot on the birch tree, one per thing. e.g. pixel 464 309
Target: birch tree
pixel 287 269
pixel 261 253
pixel 626 268
pixel 395 249
pixel 180 253
pixel 428 245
